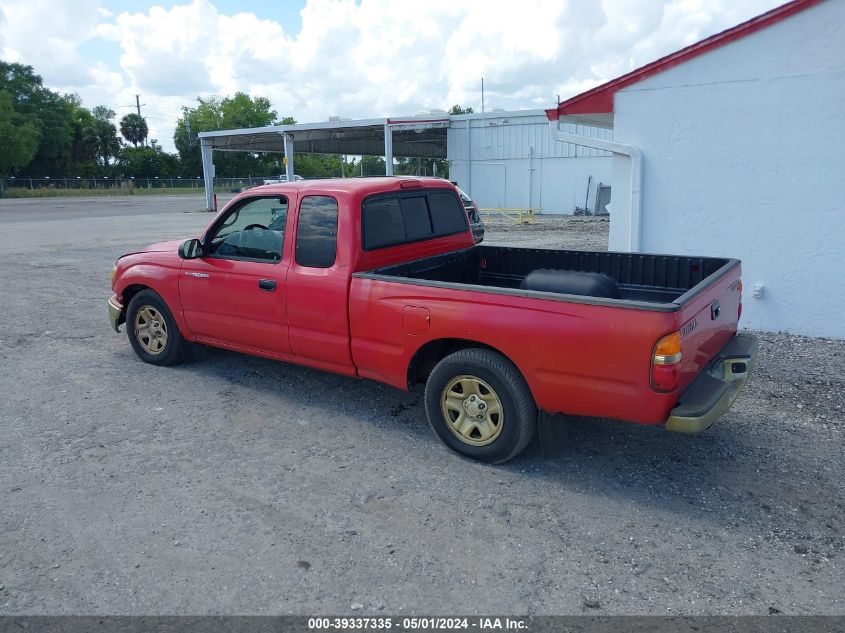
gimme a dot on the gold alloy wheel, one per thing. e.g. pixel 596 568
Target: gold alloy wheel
pixel 472 410
pixel 151 330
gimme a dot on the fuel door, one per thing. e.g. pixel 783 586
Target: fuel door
pixel 415 320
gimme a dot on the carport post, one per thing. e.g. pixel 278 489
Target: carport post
pixel 288 155
pixel 208 173
pixel 388 150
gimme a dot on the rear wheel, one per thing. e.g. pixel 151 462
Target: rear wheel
pixel 478 404
pixel 152 331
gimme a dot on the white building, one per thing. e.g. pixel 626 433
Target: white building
pixel 734 147
pixel 510 160
pixel 502 159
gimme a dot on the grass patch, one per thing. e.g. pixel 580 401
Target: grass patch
pixel 57 192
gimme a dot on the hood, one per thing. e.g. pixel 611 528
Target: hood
pixel 171 246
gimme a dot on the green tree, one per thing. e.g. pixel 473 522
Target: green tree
pixel 51 112
pixel 84 146
pixel 372 166
pixel 19 135
pixel 103 113
pixel 456 109
pixel 227 113
pixel 324 166
pixel 134 129
pixel 148 162
pixel 421 167
pixel 101 134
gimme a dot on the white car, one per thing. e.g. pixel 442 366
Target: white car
pixel 281 179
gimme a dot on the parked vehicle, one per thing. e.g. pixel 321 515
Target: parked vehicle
pixel 280 179
pixel 475 221
pixel 380 278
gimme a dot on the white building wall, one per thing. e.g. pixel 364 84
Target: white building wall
pixel 508 161
pixel 744 156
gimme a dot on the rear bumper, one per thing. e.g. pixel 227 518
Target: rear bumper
pixel 115 313
pixel 712 393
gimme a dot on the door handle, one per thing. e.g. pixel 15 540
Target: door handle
pixel 267 284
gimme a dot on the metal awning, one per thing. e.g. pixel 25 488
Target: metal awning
pixel 412 137
pixel 421 136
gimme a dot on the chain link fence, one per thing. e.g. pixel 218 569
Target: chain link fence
pixel 45 187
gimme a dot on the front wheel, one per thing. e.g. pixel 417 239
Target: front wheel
pixel 478 404
pixel 152 331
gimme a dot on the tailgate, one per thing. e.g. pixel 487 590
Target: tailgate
pixel 709 317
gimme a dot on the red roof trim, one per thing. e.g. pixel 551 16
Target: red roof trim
pixel 600 99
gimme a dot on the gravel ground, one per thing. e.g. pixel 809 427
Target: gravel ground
pixel 238 485
pixel 563 231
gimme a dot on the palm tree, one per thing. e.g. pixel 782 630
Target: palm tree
pixel 101 136
pixel 133 127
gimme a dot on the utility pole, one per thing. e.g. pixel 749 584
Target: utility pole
pixel 138 106
pixel 188 131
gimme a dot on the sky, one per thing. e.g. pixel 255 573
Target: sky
pixel 352 58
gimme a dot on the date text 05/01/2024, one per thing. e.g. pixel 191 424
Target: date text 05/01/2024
pixel 418 623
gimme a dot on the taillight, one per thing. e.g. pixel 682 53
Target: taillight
pixel 666 363
pixel 739 309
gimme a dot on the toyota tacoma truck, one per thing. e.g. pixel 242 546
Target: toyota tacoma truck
pixel 380 278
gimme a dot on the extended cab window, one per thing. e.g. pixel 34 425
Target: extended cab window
pixel 404 217
pixel 254 230
pixel 316 233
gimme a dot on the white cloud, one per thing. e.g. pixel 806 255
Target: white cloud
pixel 371 58
pixel 46 35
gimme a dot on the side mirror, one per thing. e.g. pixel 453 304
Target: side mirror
pixel 190 249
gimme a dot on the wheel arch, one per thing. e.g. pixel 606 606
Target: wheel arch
pixel 432 352
pixel 168 292
pixel 125 296
pixel 131 290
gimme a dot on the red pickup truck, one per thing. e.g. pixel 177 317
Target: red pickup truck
pixel 380 278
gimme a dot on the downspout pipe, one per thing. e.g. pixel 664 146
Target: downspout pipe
pixel 634 155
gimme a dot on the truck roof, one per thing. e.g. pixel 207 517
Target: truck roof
pixel 360 186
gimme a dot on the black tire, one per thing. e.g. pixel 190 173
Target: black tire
pixel 171 351
pixel 519 420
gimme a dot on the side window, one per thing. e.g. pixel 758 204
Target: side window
pixel 316 234
pixel 254 230
pixel 447 215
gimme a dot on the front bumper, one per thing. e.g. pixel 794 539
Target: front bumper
pixel 115 313
pixel 712 393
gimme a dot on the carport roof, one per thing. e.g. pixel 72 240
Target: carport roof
pixel 595 107
pixel 412 137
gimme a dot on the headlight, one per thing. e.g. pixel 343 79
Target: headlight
pixel 113 274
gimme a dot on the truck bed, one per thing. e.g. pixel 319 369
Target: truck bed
pixel 650 282
pixel 582 355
